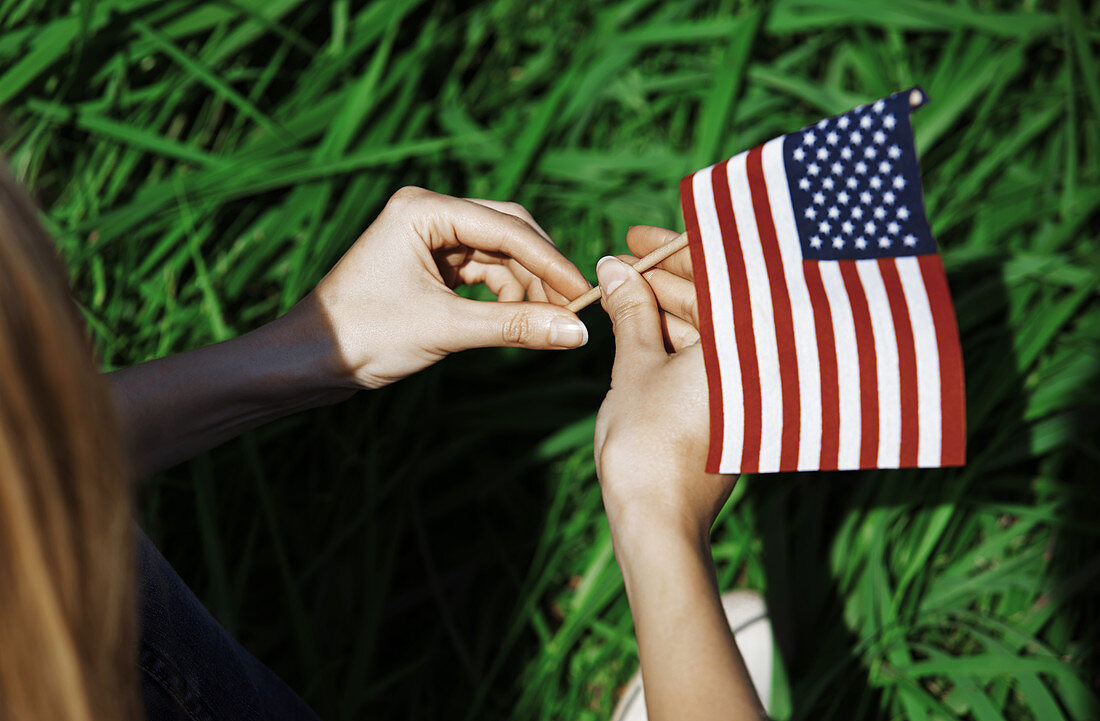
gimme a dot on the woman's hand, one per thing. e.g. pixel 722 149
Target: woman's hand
pixel 651 449
pixel 386 310
pixel 652 431
pixel 389 305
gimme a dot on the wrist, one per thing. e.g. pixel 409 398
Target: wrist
pixel 301 355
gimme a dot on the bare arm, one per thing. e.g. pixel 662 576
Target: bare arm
pixel 385 311
pixel 173 408
pixel 651 447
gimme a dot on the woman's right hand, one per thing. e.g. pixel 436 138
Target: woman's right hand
pixel 652 431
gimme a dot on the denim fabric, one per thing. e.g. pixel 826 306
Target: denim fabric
pixel 191 668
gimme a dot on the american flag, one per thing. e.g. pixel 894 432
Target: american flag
pixel 827 326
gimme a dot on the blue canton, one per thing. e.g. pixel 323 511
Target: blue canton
pixel 855 184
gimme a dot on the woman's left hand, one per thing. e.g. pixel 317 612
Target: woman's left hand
pixel 389 304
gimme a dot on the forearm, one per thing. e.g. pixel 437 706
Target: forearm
pixel 691 668
pixel 172 408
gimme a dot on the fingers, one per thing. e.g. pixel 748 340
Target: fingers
pixel 450 222
pixel 633 311
pixel 513 209
pixel 674 294
pixel 644 239
pixel 476 324
pixel 678 334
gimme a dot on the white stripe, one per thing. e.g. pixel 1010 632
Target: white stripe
pixel 763 317
pixel 802 314
pixel 721 304
pixel 928 362
pixel 886 362
pixel 847 364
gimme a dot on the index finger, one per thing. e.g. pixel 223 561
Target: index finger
pixel 453 222
pixel 644 239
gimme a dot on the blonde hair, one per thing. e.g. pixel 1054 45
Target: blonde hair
pixel 67 596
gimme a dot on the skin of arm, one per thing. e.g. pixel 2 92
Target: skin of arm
pixel 386 310
pixel 650 451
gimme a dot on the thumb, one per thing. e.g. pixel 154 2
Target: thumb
pixel 629 301
pixel 481 324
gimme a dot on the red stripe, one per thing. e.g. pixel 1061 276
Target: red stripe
pixel 706 324
pixel 826 356
pixel 907 361
pixel 781 309
pixel 952 390
pixel 742 318
pixel 868 372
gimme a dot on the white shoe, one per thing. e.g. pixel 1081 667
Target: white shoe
pixel 752 630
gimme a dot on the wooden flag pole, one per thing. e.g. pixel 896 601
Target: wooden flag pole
pixel 641 265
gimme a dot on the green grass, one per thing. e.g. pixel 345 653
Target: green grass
pixel 438 549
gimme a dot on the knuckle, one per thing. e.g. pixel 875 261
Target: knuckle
pixel 629 309
pixel 517 329
pixel 406 195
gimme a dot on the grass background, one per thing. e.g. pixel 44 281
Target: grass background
pixel 438 549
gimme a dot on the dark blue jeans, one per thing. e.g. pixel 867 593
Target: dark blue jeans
pixel 191 668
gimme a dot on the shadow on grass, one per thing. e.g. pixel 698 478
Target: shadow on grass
pixel 802 517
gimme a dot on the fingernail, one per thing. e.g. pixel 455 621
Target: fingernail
pixel 611 273
pixel 568 333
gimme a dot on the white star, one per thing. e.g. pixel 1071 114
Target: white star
pixel 910 240
pixel 865 198
pixel 888 197
pixel 884 167
pixel 856 137
pixel 799 154
pixel 834 213
pixel 861 167
pixel 827 183
pixel 808 138
pixel 865 122
pixel 869 227
pixel 822 154
pixel 861 242
pixel 899 182
pixel 804 183
pixel 857 213
pixel 813 168
pixel 876 182
pixel 903 213
pixel 878 106
pixel 880 137
pixel 816 241
pixel 870 152
pixel 846 153
pixel 852 183
pixel 892 228
pixel 879 213
pixel 847 227
pixel 838 242
pixel 889 121
pixel 819 198
pixel 831 138
pixel 842 196
pixel 884 242
pixel 822 123
pixel 811 213
pixel 894 152
pixel 837 168
pixel 824 226
pixel 842 123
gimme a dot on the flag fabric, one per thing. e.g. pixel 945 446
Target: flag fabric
pixel 828 332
